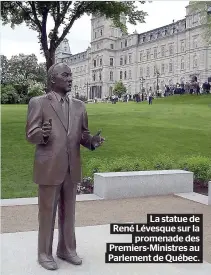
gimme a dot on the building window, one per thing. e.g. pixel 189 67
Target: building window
pixel 130 59
pixel 144 38
pixel 95 63
pixel 125 59
pixel 195 62
pixel 141 56
pixel 195 44
pixel 120 75
pixel 171 50
pixel 148 72
pixel 155 70
pixel 101 62
pixel 121 61
pixel 182 46
pixel 112 46
pixel 93 77
pixel 163 68
pixel 101 32
pixel 111 76
pixel 97 46
pixel 148 54
pixel 155 53
pixel 95 35
pixel 121 45
pixel 170 66
pixel 151 37
pixel 182 64
pixel 100 76
pixel 163 51
pixel 65 49
pixel 130 74
pixel 166 32
pixel 111 62
pixel 125 75
pixel 125 42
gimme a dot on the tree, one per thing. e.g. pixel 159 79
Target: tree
pixel 204 9
pixel 41 74
pixel 22 68
pixel 119 89
pixel 64 13
pixel 4 69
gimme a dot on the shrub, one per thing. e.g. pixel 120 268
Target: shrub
pixel 35 89
pixel 9 95
pixel 163 162
pixel 199 165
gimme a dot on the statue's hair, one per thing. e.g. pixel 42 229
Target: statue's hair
pixel 51 73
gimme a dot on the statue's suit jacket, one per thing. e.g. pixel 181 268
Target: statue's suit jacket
pixel 54 156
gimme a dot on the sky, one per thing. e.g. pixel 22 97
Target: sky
pixel 23 40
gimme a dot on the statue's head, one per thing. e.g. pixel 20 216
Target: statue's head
pixel 60 78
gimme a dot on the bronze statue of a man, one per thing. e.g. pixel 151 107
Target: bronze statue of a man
pixel 58 124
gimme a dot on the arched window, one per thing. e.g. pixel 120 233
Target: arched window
pixel 125 75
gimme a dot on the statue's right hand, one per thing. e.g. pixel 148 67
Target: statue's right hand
pixel 46 128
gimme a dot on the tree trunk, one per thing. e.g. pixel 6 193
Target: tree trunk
pixel 50 59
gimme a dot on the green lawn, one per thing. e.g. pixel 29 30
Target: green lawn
pixel 177 126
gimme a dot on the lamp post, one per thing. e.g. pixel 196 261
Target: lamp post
pixel 157 74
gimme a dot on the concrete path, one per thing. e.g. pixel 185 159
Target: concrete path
pixel 19 257
pixel 88 213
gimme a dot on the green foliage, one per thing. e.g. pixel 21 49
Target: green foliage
pixel 64 15
pixel 163 162
pixel 35 89
pixel 119 88
pixel 4 69
pixel 199 165
pixel 9 95
pixel 21 71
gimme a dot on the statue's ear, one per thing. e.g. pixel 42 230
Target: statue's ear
pixel 53 79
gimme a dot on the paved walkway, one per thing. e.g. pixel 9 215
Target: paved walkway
pixel 100 212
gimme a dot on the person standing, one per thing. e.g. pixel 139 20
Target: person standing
pixel 150 98
pixel 58 124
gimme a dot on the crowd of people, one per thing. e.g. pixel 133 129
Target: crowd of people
pixel 192 87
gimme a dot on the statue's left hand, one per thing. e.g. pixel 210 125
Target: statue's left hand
pixel 97 141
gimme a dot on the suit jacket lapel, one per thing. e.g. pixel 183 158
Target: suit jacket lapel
pixel 57 108
pixel 71 113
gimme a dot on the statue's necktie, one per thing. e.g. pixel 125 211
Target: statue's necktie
pixel 65 109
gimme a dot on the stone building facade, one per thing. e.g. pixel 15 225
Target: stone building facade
pixel 163 56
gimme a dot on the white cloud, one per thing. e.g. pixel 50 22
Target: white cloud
pixel 24 40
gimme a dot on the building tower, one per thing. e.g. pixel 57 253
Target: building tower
pixel 103 44
pixel 63 52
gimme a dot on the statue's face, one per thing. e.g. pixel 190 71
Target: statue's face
pixel 62 78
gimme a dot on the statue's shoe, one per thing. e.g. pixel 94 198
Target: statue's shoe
pixel 73 259
pixel 49 265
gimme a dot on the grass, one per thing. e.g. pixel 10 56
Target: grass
pixel 177 126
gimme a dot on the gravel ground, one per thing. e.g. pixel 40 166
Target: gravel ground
pixel 24 218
